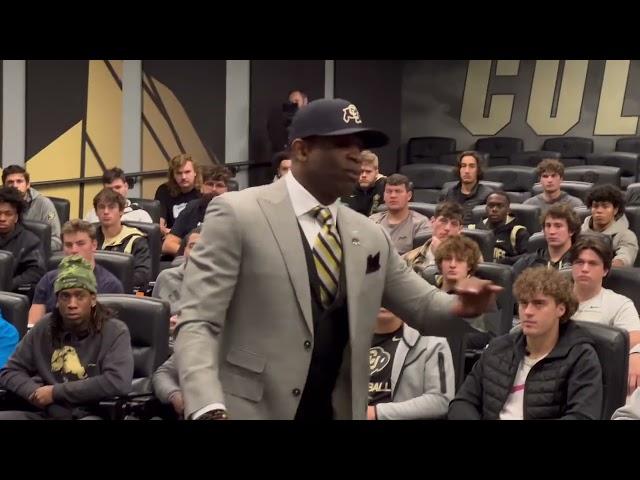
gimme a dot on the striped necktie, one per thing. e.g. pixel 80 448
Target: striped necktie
pixel 327 254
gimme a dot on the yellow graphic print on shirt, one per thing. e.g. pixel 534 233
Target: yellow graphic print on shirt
pixel 378 359
pixel 66 361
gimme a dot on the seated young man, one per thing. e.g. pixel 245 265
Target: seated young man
pixel 549 369
pixel 551 172
pixel 78 238
pixel 74 357
pixel 411 376
pixel 215 181
pixel 183 185
pixel 113 236
pixel 468 191
pixel 607 217
pixel 560 226
pixel 511 238
pixel 401 223
pixel 446 222
pixel 368 194
pixel 37 207
pixel 116 180
pixel 591 261
pixel 28 267
pixel 458 258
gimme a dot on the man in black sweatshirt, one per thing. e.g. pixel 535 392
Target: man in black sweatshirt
pixel 25 246
pixel 74 357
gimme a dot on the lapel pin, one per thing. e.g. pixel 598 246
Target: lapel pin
pixel 355 240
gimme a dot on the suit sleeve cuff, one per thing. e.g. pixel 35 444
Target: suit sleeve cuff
pixel 208 408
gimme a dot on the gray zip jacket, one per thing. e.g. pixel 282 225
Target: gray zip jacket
pixel 422 379
pixel 41 209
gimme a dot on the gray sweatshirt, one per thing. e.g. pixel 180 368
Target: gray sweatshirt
pixel 402 234
pixel 623 240
pixel 41 209
pixel 82 370
pixel 539 201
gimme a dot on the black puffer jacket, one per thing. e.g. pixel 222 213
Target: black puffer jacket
pixel 566 384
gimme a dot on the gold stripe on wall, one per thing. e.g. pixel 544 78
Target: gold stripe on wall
pixel 57 161
pixel 103 147
pixel 104 116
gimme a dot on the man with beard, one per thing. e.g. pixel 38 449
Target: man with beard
pixel 369 193
pixel 215 181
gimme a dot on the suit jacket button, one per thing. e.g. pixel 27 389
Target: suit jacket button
pixel 307 345
pixel 296 392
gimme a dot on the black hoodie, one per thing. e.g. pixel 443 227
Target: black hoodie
pixel 28 256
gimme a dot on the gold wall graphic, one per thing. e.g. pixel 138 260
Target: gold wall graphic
pixel 95 142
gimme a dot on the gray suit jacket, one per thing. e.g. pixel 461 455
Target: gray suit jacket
pixel 246 307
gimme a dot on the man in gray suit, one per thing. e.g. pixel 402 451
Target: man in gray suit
pixel 281 295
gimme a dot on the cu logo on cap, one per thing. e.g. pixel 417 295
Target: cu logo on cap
pixel 351 113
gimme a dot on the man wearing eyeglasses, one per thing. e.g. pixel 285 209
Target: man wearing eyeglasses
pixel 446 222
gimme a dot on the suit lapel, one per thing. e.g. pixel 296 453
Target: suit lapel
pixel 277 208
pixel 355 262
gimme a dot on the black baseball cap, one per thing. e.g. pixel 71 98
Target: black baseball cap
pixel 330 117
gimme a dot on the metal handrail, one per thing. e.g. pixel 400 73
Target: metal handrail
pixel 147 174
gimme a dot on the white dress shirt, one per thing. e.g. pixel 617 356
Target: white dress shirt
pixel 303 202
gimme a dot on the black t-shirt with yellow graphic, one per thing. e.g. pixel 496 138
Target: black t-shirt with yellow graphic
pixel 381 354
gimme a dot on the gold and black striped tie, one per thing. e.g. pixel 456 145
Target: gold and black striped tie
pixel 327 254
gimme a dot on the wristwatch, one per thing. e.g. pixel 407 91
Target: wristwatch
pixel 217 414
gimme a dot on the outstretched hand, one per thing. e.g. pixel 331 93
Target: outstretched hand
pixel 475 296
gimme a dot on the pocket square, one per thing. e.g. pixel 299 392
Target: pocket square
pixel 373 263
